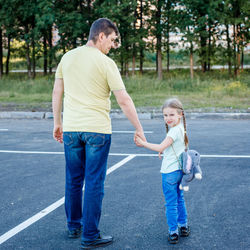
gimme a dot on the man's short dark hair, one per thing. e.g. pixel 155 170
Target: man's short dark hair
pixel 102 25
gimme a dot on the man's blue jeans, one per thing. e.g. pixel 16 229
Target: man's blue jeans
pixel 175 204
pixel 86 157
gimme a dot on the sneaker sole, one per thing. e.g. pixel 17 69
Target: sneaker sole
pixel 184 235
pixel 173 242
pixel 101 245
pixel 74 236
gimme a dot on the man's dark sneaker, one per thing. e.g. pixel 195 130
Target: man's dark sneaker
pixel 101 241
pixel 173 238
pixel 184 231
pixel 75 233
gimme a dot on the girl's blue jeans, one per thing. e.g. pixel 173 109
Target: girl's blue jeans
pixel 86 157
pixel 175 204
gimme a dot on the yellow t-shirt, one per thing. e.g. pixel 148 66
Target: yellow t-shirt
pixel 89 77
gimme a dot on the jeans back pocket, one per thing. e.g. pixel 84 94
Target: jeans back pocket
pixel 67 138
pixel 95 139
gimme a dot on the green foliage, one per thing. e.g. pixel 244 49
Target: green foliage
pixel 28 26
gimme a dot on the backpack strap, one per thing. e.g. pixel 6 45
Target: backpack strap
pixel 180 165
pixel 178 159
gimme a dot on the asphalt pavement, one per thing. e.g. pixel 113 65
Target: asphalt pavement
pixel 32 188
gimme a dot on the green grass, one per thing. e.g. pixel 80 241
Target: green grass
pixel 212 89
pixel 17 87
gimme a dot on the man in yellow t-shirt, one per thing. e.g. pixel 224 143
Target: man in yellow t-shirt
pixel 86 77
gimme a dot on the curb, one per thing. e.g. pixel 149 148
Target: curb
pixel 142 115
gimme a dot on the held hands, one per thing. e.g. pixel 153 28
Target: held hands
pixel 58 133
pixel 139 139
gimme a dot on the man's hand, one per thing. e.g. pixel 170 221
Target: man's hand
pixel 141 136
pixel 139 142
pixel 58 133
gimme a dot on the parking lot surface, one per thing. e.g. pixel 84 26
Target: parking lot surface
pixel 32 188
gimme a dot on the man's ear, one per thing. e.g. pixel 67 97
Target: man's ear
pixel 101 36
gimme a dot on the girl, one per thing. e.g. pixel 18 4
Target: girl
pixel 172 147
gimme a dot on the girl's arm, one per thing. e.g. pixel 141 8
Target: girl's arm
pixel 155 147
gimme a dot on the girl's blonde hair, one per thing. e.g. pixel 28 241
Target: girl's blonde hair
pixel 176 104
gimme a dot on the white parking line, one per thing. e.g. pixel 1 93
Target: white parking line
pixel 131 132
pixel 118 154
pixel 52 207
pixel 30 152
pixel 4 129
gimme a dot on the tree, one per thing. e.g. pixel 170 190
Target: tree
pixel 170 13
pixel 186 24
pixel 45 19
pixel 234 18
pixel 156 32
pixel 7 30
pixel 122 13
pixel 1 53
pixel 70 18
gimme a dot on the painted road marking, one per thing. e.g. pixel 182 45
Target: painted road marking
pixel 52 207
pixel 131 132
pixel 4 129
pixel 118 154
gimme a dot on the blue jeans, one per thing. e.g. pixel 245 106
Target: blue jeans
pixel 86 157
pixel 175 204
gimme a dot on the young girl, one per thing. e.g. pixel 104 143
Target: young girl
pixel 172 147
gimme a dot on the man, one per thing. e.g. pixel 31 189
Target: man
pixel 86 76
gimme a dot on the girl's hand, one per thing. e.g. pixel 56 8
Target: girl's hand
pixel 141 135
pixel 139 141
pixel 159 155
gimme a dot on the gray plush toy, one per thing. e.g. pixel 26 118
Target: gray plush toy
pixel 191 168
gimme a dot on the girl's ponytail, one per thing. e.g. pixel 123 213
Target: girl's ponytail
pixel 185 130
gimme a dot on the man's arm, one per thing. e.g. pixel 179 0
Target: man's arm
pixel 128 108
pixel 57 97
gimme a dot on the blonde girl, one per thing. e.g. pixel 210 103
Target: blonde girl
pixel 172 146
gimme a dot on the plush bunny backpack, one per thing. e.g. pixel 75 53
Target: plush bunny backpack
pixel 190 160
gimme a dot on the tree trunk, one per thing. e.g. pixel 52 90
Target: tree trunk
pixel 156 62
pixel 45 54
pixel 122 64
pixel 8 56
pixel 28 58
pixel 209 49
pixel 1 53
pixel 158 40
pixel 235 53
pixel 159 64
pixel 50 50
pixel 168 7
pixel 141 60
pixel 168 49
pixel 33 58
pixel 191 62
pixel 126 69
pixel 238 58
pixel 134 45
pixel 242 59
pixel 203 44
pixel 133 61
pixel 229 52
pixel 141 46
pixel 238 48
